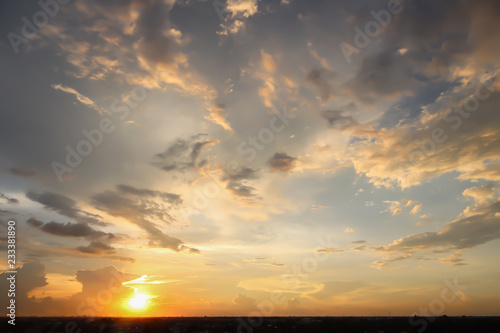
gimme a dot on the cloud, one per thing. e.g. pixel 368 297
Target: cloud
pixel 480 194
pixel 329 250
pixel 381 264
pixel 21 172
pixel 183 154
pixel 281 162
pixel 416 209
pixel 322 81
pixel 293 303
pixel 316 207
pixel 95 280
pixel 169 197
pixel 75 230
pixel 334 288
pixel 93 283
pixel 237 11
pixel 245 173
pixel 12 201
pixel 30 276
pixel 482 226
pixel 241 190
pixel 34 222
pixel 454 259
pixel 97 248
pixel 256 259
pixel 237 183
pixel 79 97
pixel 147 50
pixel 155 45
pixel 144 212
pixel 217 115
pixel 337 120
pixel 65 206
pixel 243 301
pixel 443 138
pixel 456 35
pixel 347 229
pixel 394 207
pixel 381 75
pixel 276 265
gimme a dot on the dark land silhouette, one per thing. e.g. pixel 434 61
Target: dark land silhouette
pixel 441 324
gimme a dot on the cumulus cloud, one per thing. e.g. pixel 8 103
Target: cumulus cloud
pixel 236 12
pixel 480 194
pixel 394 207
pixel 30 276
pixel 93 282
pixel 245 302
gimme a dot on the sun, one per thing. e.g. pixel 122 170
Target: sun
pixel 138 301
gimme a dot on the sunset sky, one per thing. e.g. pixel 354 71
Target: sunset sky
pixel 191 158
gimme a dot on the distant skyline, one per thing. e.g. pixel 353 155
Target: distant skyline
pixel 244 157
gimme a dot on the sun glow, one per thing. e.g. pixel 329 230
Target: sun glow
pixel 138 301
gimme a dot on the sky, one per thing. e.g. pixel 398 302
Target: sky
pixel 192 158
